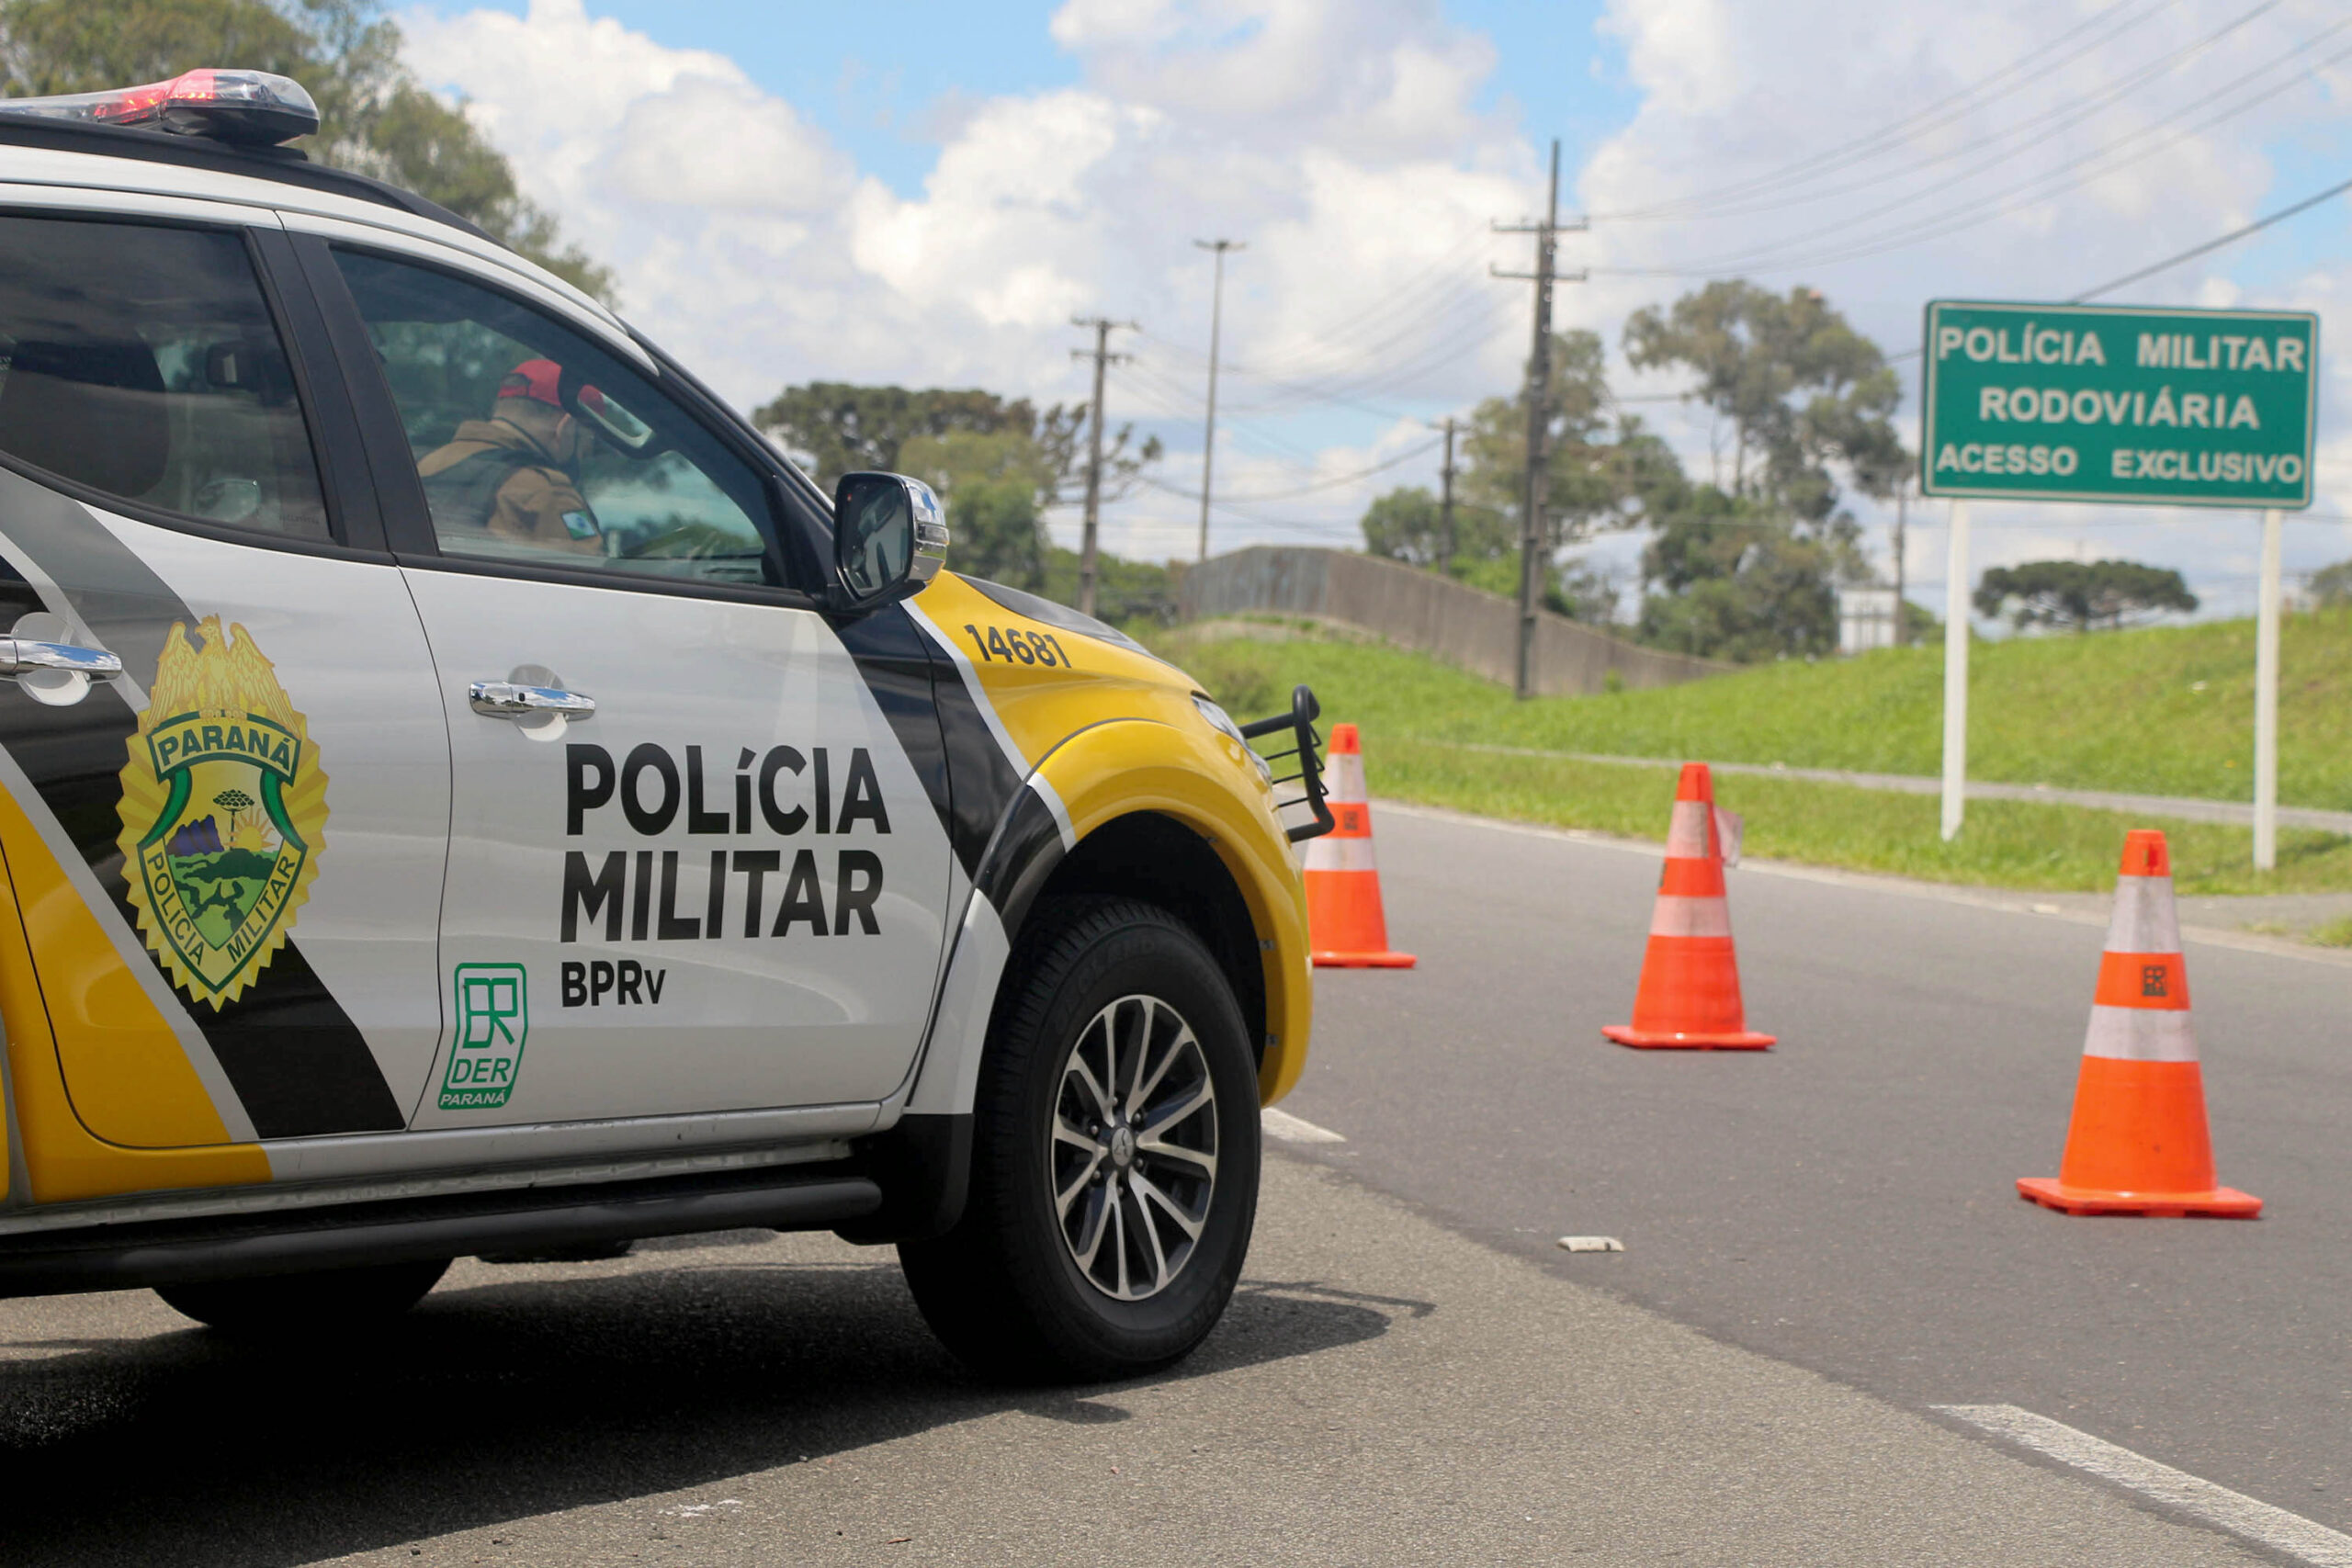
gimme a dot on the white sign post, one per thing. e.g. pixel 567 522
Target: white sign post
pixel 2265 700
pixel 1956 674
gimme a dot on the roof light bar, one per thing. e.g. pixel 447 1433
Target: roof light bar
pixel 250 108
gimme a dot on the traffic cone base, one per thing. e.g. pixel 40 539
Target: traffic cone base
pixel 1626 1034
pixel 1346 928
pixel 2221 1202
pixel 1364 960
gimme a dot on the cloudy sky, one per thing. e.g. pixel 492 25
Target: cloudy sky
pixel 926 193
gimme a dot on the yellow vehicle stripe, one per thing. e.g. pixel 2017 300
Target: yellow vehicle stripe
pixel 1075 723
pixel 132 1071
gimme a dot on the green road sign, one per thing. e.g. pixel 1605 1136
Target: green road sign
pixel 2108 403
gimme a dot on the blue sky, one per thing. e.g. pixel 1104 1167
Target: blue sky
pixel 876 75
pixel 926 193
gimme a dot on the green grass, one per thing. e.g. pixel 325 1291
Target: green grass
pixel 2111 710
pixel 1864 714
pixel 2019 844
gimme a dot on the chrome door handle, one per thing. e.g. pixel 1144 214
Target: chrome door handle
pixel 505 699
pixel 21 656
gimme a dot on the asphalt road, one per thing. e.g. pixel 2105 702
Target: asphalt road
pixel 1822 1244
pixel 1845 1202
pixel 1382 1391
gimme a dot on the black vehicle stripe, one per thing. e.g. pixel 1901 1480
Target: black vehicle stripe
pixel 896 663
pixel 986 781
pixel 297 1062
pixel 1019 857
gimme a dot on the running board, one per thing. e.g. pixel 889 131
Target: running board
pixel 115 1257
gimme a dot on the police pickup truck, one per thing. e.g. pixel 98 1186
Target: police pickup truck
pixel 462 790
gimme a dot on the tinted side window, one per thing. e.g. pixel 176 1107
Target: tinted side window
pixel 535 443
pixel 142 361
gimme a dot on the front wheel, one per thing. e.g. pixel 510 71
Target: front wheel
pixel 1115 1174
pixel 323 1302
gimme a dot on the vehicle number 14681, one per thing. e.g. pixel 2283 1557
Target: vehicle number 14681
pixel 1016 646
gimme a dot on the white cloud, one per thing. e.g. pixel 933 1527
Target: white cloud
pixel 1342 140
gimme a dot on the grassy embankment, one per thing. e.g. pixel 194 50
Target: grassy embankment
pixel 2166 711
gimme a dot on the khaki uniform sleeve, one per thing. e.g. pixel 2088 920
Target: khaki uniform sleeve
pixel 533 504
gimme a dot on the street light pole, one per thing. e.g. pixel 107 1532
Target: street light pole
pixel 1217 323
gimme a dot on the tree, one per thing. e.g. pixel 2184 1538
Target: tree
pixel 1408 525
pixel 1801 389
pixel 374 117
pixel 836 428
pixel 2332 585
pixel 1740 581
pixel 2080 595
pixel 990 483
pixel 1600 464
pixel 997 462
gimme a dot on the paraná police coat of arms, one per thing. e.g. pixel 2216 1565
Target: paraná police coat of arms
pixel 224 812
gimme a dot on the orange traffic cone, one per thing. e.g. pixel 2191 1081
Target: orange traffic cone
pixel 2138 1144
pixel 1345 929
pixel 1689 997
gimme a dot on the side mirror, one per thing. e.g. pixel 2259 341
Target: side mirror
pixel 889 538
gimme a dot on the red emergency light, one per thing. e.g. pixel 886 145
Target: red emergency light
pixel 252 109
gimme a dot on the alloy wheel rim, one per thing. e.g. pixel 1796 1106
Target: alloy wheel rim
pixel 1131 1159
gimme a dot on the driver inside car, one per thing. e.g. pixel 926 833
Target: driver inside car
pixel 517 474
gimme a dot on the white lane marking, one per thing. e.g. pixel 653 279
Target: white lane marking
pixel 1592 1244
pixel 1293 1130
pixel 2234 1511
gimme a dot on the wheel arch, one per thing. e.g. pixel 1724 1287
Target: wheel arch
pixel 1136 807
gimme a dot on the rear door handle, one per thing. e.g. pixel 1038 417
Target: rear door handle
pixel 505 699
pixel 21 656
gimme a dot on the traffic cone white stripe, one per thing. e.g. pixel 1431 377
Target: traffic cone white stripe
pixel 1674 915
pixel 1329 853
pixel 1686 833
pixel 2140 1034
pixel 2144 919
pixel 1346 783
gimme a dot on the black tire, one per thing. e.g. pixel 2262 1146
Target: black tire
pixel 324 1303
pixel 1005 1290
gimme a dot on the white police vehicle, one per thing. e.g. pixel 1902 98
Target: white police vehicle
pixel 462 790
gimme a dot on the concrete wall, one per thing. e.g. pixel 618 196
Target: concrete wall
pixel 1476 630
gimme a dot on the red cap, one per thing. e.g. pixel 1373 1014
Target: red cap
pixel 1696 784
pixel 1344 742
pixel 2145 854
pixel 541 380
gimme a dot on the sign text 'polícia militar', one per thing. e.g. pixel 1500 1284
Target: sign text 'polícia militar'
pixel 2110 403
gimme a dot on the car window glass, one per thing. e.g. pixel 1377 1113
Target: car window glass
pixel 535 443
pixel 141 361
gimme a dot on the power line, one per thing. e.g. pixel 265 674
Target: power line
pixel 2060 116
pixel 1898 132
pixel 2232 238
pixel 1998 203
pixel 1342 480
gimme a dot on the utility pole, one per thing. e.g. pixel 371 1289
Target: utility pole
pixel 1216 321
pixel 1102 356
pixel 1539 409
pixel 1902 497
pixel 1445 506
